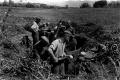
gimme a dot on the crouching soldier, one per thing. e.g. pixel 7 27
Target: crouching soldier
pixel 41 48
pixel 56 49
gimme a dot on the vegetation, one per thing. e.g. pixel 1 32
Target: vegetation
pixel 66 6
pixel 114 4
pixel 100 4
pixel 16 59
pixel 85 5
pixel 97 4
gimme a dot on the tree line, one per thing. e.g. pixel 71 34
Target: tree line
pixel 101 4
pixel 97 4
pixel 27 5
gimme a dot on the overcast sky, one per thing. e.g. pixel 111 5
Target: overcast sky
pixel 58 2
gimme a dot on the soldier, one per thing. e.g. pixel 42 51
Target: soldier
pixel 35 33
pixel 56 49
pixel 70 27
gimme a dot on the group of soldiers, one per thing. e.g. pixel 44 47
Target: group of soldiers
pixel 55 44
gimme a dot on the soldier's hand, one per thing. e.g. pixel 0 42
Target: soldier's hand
pixel 70 56
pixel 55 59
pixel 82 58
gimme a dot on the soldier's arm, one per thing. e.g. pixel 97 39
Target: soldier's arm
pixel 51 50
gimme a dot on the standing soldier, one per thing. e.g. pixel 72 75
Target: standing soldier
pixel 56 49
pixel 35 33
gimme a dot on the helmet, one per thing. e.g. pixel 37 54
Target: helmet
pixel 67 32
pixel 37 20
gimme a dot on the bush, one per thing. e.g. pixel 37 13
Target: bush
pixel 66 6
pixel 43 6
pixel 5 4
pixel 29 5
pixel 85 5
pixel 100 4
pixel 114 5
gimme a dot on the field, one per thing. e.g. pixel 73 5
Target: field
pixel 99 16
pixel 109 18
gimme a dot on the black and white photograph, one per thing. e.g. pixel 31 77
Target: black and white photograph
pixel 59 39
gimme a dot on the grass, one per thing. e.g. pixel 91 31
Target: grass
pixel 106 16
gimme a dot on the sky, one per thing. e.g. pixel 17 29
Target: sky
pixel 58 2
